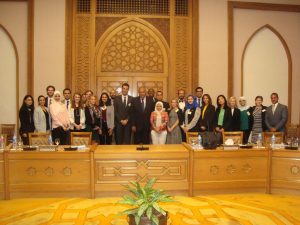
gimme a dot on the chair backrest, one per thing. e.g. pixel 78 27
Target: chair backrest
pixel 267 138
pixel 39 138
pixel 8 129
pixel 236 136
pixel 292 130
pixel 81 138
pixel 4 139
pixel 190 136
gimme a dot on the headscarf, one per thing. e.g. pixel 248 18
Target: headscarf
pixel 245 107
pixel 59 111
pixel 193 105
pixel 162 106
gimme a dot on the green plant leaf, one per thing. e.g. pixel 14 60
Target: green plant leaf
pixel 158 209
pixel 149 213
pixel 129 211
pixel 137 219
pixel 150 183
pixel 142 209
pixel 155 219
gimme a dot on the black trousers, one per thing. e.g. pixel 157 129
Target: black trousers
pixel 142 135
pixel 62 135
pixel 105 139
pixel 123 134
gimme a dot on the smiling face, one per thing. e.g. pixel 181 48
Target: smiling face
pixel 158 107
pixel 50 91
pixel 93 100
pixel 42 101
pixel 104 98
pixel 205 100
pixel 28 101
pixel 57 97
pixel 190 100
pixel 174 103
pixel 274 99
pixel 77 98
pixel 258 102
pixel 221 101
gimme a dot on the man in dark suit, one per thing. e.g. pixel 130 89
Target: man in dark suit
pixel 142 106
pixel 122 107
pixel 67 98
pixel 276 115
pixel 50 92
pixel 198 96
pixel 159 97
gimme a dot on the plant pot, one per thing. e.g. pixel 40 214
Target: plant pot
pixel 145 221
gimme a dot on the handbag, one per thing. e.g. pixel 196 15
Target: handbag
pixel 211 139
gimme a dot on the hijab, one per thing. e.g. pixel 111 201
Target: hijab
pixel 193 105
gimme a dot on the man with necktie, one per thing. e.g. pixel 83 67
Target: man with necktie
pixel 50 92
pixel 122 107
pixel 67 98
pixel 142 106
pixel 276 115
pixel 198 96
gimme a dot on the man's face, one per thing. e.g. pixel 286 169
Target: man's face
pixel 274 99
pixel 67 94
pixel 159 96
pixel 125 90
pixel 151 92
pixel 142 92
pixel 199 92
pixel 181 94
pixel 112 94
pixel 50 91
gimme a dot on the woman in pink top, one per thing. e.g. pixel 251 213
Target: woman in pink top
pixel 60 120
pixel 159 120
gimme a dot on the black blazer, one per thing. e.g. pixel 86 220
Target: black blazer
pixel 122 112
pixel 234 120
pixel 141 118
pixel 263 116
pixel 226 121
pixel 208 118
pixel 26 119
pixel 89 120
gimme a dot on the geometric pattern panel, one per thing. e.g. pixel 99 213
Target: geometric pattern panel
pixel 163 25
pixel 132 49
pixel 102 24
pixel 249 209
pixel 141 170
pixel 182 54
pixel 82 65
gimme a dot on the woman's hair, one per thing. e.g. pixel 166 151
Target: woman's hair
pixel 41 96
pixel 96 100
pixel 225 101
pixel 73 101
pixel 233 98
pixel 209 99
pixel 101 103
pixel 24 104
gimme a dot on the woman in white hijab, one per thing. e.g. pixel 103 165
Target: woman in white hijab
pixel 245 116
pixel 159 120
pixel 60 120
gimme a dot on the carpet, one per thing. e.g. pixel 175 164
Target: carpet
pixel 246 209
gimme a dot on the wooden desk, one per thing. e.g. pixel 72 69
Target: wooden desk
pixel 2 175
pixel 48 174
pixel 228 171
pixel 285 172
pixel 116 165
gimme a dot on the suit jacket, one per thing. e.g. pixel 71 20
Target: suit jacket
pixel 26 119
pixel 121 111
pixel 226 122
pixel 278 119
pixel 263 116
pixel 40 119
pixel 70 103
pixel 208 118
pixel 46 101
pixel 140 117
pixel 234 120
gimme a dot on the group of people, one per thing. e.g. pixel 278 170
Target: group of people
pixel 147 118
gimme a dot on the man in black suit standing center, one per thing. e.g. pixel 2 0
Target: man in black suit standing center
pixel 142 106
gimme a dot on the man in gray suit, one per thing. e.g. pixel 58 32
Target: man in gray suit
pixel 276 115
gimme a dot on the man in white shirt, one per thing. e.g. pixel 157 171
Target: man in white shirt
pixel 198 96
pixel 67 98
pixel 50 92
pixel 181 100
pixel 276 115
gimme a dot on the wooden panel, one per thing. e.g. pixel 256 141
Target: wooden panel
pixel 229 171
pixel 285 176
pixel 1 175
pixel 46 174
pixel 169 164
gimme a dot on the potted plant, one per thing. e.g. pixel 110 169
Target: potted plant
pixel 145 200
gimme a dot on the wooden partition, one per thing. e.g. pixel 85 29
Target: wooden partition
pixel 180 170
pixel 116 165
pixel 230 171
pixel 285 172
pixel 48 174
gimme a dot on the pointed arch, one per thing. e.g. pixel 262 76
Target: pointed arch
pixel 289 59
pixel 17 68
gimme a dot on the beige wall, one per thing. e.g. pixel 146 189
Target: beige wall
pixel 49 45
pixel 213 49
